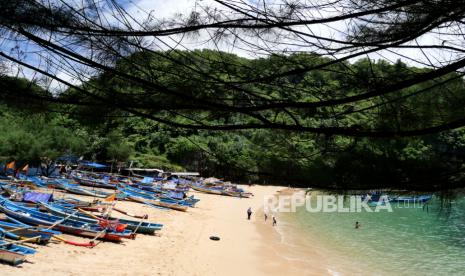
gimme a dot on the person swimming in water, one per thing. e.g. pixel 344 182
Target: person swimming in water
pixel 357 225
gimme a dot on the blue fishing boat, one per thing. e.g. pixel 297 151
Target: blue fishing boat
pixel 17 231
pixel 412 199
pixel 33 217
pixel 12 253
pixel 97 183
pixel 163 197
pixel 226 190
pixel 140 226
pixel 375 199
pixel 147 199
pixel 76 189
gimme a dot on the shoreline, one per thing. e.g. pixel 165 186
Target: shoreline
pixel 283 257
pixel 183 246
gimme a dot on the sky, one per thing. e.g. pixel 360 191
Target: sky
pixel 159 10
pixel 163 9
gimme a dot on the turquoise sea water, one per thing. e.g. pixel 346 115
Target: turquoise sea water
pixel 411 240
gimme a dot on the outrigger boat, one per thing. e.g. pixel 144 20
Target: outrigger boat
pixel 206 190
pixel 190 201
pixel 17 231
pixel 13 236
pixel 412 199
pixel 12 253
pixel 95 206
pixel 77 203
pixel 375 199
pixel 221 190
pixel 76 189
pixel 136 197
pixel 138 226
pixel 173 194
pixel 33 217
pixel 95 183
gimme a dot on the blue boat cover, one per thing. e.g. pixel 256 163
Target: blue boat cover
pixel 92 165
pixel 147 180
pixel 37 181
pixel 35 197
pixel 176 195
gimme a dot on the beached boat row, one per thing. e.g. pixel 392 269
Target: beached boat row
pixel 162 188
pixel 161 199
pixel 216 186
pixel 33 216
pixel 40 222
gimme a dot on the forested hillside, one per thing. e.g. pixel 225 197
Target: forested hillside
pixel 32 131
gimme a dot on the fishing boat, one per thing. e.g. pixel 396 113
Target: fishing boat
pixel 96 183
pixel 12 253
pixel 178 192
pixel 99 209
pixel 173 195
pixel 136 197
pixel 162 197
pixel 412 199
pixel 236 193
pixel 206 190
pixel 76 189
pixel 15 237
pixel 25 232
pixel 13 190
pixel 77 203
pixel 37 181
pixel 32 217
pixel 140 226
pixel 225 190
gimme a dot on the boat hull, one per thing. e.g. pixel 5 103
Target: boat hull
pixel 85 192
pixel 220 192
pixel 12 258
pixel 14 254
pixel 208 191
pixel 141 227
pixel 96 184
pixel 63 227
pixel 176 207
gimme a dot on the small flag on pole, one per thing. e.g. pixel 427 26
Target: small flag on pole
pixel 11 165
pixel 110 198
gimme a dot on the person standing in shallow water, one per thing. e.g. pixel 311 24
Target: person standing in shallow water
pixel 249 213
pixel 357 225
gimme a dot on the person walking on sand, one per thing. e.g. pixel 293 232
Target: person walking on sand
pixel 274 221
pixel 249 213
pixel 266 217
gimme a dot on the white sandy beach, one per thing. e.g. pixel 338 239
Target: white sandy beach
pixel 183 247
